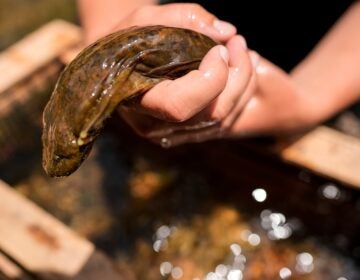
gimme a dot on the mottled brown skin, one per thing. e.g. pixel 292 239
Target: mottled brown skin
pixel 115 68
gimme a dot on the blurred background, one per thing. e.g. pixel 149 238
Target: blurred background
pixel 19 17
pixel 220 210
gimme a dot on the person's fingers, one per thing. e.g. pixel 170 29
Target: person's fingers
pixel 183 136
pixel 184 15
pixel 247 93
pixel 144 125
pixel 180 99
pixel 208 123
pixel 195 17
pixel 237 51
pixel 155 129
pixel 254 119
pixel 239 75
pixel 265 113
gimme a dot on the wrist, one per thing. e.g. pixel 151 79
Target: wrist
pixel 316 105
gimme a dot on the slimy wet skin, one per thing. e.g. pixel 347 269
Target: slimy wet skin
pixel 113 69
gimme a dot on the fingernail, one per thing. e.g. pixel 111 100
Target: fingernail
pixel 224 27
pixel 255 59
pixel 224 54
pixel 242 41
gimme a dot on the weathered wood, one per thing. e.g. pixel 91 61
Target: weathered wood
pixel 22 93
pixel 69 54
pixel 327 152
pixel 37 240
pixel 35 51
pixel 44 246
pixel 11 270
pixel 28 69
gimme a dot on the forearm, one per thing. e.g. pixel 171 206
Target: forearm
pixel 100 16
pixel 330 75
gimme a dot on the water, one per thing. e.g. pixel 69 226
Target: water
pixel 274 226
pixel 208 211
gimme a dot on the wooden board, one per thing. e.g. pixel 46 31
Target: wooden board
pixel 44 246
pixel 37 240
pixel 11 270
pixel 36 50
pixel 327 152
pixel 29 69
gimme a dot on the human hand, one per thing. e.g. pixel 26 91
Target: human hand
pixel 272 103
pixel 100 18
pixel 278 104
pixel 209 106
pixel 321 85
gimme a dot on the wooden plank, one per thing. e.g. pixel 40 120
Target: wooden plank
pixel 23 93
pixel 36 50
pixel 10 270
pixel 37 240
pixel 327 152
pixel 68 55
pixel 43 245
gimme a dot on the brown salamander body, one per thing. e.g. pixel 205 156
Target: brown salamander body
pixel 116 67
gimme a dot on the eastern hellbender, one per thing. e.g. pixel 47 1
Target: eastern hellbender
pixel 115 68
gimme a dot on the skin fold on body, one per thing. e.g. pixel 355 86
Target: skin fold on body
pixel 115 68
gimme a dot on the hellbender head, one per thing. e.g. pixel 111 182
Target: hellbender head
pixel 61 154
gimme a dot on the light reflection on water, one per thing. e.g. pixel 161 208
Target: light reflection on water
pixel 285 273
pixel 274 224
pixel 304 263
pixel 203 228
pixel 332 192
pixel 259 195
